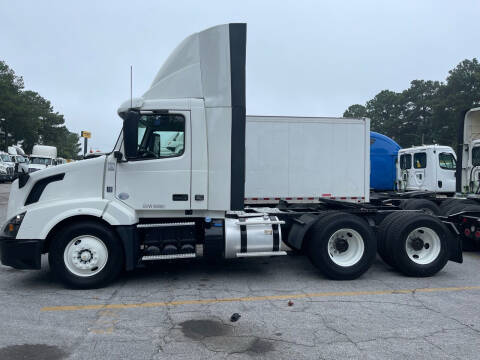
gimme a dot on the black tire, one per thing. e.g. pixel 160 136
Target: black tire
pixel 427 206
pixel 383 237
pixel 396 247
pixel 110 271
pixel 317 245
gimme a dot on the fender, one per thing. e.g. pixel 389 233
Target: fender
pixel 299 229
pixel 40 219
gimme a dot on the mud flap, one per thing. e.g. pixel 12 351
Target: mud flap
pixel 455 252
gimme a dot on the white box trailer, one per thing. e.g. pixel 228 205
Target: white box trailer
pixel 147 201
pixel 305 159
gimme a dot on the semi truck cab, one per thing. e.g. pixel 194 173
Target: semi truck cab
pixel 427 167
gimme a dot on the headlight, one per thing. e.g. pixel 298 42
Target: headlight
pixel 3 170
pixel 11 229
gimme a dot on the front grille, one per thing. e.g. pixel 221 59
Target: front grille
pixel 10 170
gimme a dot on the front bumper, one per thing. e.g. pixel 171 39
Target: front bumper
pixel 21 254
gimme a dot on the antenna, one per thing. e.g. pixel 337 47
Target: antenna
pixel 131 85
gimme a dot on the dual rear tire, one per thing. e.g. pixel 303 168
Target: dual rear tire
pixel 413 243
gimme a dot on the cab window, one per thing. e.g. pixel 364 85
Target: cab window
pixel 405 161
pixel 420 160
pixel 476 156
pixel 155 134
pixel 447 161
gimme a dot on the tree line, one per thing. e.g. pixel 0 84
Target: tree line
pixel 29 119
pixel 428 112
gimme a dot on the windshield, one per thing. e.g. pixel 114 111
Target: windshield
pixel 21 159
pixel 5 158
pixel 447 161
pixel 41 161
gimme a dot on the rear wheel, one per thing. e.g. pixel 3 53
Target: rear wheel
pixel 418 244
pixel 342 246
pixel 427 206
pixel 86 255
pixel 383 237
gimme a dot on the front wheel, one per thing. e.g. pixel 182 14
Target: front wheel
pixel 342 246
pixel 86 255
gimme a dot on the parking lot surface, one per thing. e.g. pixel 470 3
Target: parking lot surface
pixel 286 309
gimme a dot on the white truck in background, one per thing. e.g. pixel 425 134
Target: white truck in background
pixel 427 168
pixel 234 187
pixel 7 167
pixel 42 157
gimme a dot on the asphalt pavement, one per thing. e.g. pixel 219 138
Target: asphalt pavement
pixel 265 308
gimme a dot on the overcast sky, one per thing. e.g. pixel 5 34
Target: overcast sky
pixel 303 57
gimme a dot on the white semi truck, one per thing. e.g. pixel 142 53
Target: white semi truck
pixel 42 157
pixel 233 187
pixel 427 168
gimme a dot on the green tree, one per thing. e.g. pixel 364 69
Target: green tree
pixel 428 111
pixel 355 111
pixel 30 118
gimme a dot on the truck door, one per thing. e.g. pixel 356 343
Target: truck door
pixel 404 171
pixel 446 172
pixel 419 165
pixel 159 179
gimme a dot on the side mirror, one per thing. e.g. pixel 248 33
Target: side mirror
pixel 130 134
pixel 118 155
pixel 23 175
pixel 22 168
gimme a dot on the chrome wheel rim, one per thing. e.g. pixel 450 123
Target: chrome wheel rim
pixel 85 255
pixel 345 247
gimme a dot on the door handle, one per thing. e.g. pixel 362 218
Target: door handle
pixel 180 197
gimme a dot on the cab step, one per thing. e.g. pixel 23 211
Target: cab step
pixel 261 253
pixel 168 257
pixel 160 225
